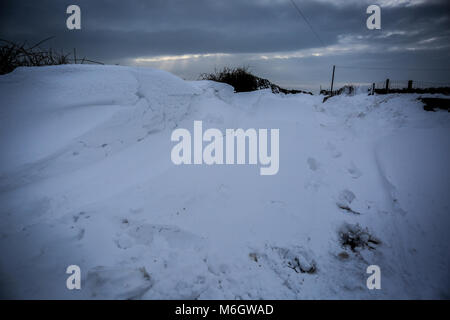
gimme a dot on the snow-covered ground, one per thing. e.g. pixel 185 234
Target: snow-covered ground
pixel 86 178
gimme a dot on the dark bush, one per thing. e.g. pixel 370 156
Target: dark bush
pixel 243 81
pixel 239 78
pixel 13 55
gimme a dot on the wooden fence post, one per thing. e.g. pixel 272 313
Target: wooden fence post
pixel 387 85
pixel 410 82
pixel 332 81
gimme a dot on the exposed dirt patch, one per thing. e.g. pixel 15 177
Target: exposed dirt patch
pixel 431 104
pixel 357 238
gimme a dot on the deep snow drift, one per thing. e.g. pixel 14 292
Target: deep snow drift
pixel 86 178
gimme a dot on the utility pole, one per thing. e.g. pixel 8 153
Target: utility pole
pixel 332 81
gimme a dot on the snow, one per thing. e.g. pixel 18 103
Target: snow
pixel 86 178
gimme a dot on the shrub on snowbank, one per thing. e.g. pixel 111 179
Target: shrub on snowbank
pixel 243 81
pixel 13 55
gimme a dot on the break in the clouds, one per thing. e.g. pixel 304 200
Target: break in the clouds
pixel 195 36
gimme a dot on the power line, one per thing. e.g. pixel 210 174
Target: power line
pixel 307 22
pixel 393 68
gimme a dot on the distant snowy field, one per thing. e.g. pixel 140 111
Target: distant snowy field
pixel 86 178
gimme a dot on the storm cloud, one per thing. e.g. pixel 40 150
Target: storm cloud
pixel 196 36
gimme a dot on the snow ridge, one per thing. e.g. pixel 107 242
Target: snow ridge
pixel 86 179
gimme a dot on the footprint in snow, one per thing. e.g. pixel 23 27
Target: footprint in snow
pixel 313 164
pixel 118 282
pixel 354 171
pixel 80 214
pixel 345 199
pixel 281 259
pixel 334 152
pixel 80 234
pixel 147 234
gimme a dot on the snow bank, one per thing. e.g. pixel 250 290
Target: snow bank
pixel 86 179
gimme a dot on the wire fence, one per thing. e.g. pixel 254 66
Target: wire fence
pixel 409 84
pixel 392 86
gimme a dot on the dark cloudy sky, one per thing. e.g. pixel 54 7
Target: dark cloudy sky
pixel 189 37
